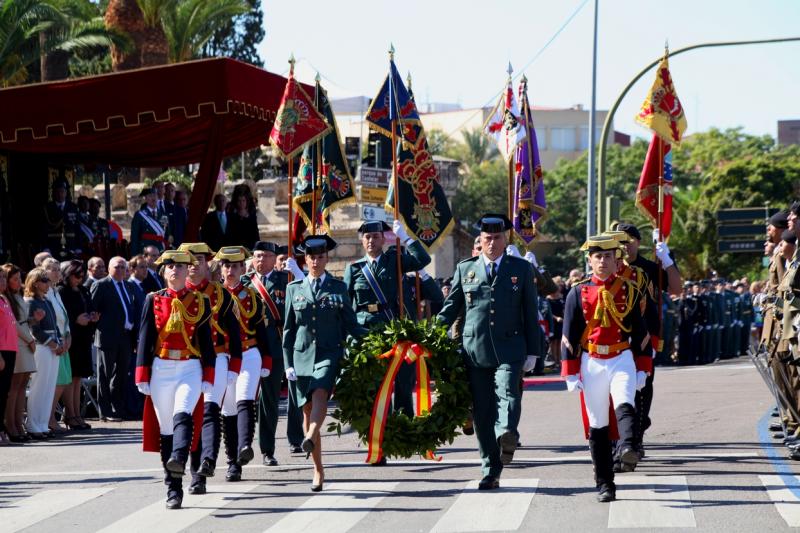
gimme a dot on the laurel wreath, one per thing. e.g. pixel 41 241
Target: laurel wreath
pixel 361 376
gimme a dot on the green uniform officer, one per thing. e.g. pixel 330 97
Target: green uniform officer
pixel 500 335
pixel 270 285
pixel 372 286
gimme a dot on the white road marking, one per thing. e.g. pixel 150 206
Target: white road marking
pixel 785 501
pixel 338 508
pixel 717 368
pixel 509 504
pixel 45 504
pixel 650 502
pixel 157 517
pixel 518 460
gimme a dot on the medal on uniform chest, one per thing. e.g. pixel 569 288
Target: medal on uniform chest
pixel 242 294
pixel 469 298
pixel 514 286
pixel 471 276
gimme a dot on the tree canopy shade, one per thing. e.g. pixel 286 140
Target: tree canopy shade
pixel 199 111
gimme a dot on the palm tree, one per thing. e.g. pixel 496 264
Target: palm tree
pixel 21 21
pixel 125 16
pixel 189 24
pixel 479 147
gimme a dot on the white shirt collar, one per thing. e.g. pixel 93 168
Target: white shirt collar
pixel 321 279
pixel 375 260
pixel 487 261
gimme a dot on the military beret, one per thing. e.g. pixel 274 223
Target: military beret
pixel 494 223
pixel 780 220
pixel 789 237
pixel 795 208
pixel 146 191
pixel 630 229
pixel 266 246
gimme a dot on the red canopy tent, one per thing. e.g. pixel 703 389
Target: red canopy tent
pixel 199 111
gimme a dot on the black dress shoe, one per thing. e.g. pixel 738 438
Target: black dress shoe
pixel 176 467
pixel 234 473
pixel 197 487
pixel 468 428
pixel 776 426
pixel 489 483
pixel 245 455
pixel 174 500
pixel 295 449
pixel 628 457
pixel 794 455
pixel 269 460
pixel 207 468
pixel 508 445
pixel 606 495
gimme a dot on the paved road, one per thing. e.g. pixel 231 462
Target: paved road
pixel 711 466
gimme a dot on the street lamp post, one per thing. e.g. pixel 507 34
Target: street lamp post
pixel 601 174
pixel 591 206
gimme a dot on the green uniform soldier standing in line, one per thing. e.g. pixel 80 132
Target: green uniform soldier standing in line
pixel 500 335
pixel 372 287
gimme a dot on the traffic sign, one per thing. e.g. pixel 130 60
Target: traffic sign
pixel 754 246
pixel 747 214
pixel 370 212
pixel 374 177
pixel 741 230
pixel 373 195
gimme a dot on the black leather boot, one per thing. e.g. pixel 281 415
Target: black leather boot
pixel 181 442
pixel 603 461
pixel 210 438
pixel 626 447
pixel 174 484
pixel 231 432
pixel 246 424
pixel 198 484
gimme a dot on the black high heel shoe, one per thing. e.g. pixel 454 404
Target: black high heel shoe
pixel 317 487
pixel 307 446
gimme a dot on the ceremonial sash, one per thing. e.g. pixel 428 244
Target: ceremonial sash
pixel 376 288
pixel 87 231
pixel 156 227
pixel 262 290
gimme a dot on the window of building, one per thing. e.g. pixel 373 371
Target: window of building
pixel 583 143
pixel 562 139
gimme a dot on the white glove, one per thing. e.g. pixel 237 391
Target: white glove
pixel 144 388
pixel 530 363
pixel 232 377
pixel 574 383
pixel 513 251
pixel 206 387
pixel 291 375
pixel 423 275
pixel 291 265
pixel 641 379
pixel 400 231
pixel 531 258
pixel 265 372
pixel 662 251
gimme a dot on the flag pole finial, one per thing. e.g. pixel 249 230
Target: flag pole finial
pixel 317 78
pixel 666 47
pixel 408 80
pixel 391 52
pixel 510 70
pixel 292 61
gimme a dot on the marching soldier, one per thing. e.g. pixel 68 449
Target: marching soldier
pixel 174 365
pixel 372 287
pixel 605 351
pixel 319 317
pixel 500 337
pixel 228 346
pixel 238 405
pixel 149 225
pixel 270 284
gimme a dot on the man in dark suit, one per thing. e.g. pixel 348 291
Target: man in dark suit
pixel 212 231
pixel 116 301
pixel 180 216
pixel 152 282
pixel 97 271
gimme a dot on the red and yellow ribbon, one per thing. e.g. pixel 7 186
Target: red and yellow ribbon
pixel 403 351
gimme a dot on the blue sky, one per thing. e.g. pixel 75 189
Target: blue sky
pixel 457 51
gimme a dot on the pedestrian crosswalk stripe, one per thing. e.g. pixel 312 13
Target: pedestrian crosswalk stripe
pixel 501 509
pixel 335 510
pixel 157 517
pixel 650 502
pixel 780 492
pixel 45 504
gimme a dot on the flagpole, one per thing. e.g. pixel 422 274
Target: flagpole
pixel 526 112
pixel 510 164
pixel 417 282
pixel 398 252
pixel 290 193
pixel 318 158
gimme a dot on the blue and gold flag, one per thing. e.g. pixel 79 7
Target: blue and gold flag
pixel 422 202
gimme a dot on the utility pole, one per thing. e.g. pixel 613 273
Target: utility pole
pixel 591 190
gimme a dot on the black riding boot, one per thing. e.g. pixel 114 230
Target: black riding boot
pixel 210 438
pixel 602 459
pixel 181 442
pixel 174 484
pixel 627 422
pixel 246 424
pixel 231 448
pixel 198 484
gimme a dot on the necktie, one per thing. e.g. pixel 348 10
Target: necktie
pixel 492 271
pixel 223 221
pixel 126 301
pixel 316 286
pixel 373 265
pixel 264 280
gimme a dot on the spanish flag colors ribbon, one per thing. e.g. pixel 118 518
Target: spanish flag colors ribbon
pixel 403 351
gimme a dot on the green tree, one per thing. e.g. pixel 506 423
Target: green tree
pixel 438 142
pixel 21 22
pixel 483 191
pixel 239 37
pixel 474 150
pixel 189 24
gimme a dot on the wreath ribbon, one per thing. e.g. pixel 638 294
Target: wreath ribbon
pixel 403 351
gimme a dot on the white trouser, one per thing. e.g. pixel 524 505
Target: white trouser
pixel 43 389
pixel 220 380
pixel 175 387
pixel 601 377
pixel 246 385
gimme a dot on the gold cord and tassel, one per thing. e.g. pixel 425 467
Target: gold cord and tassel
pixel 606 310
